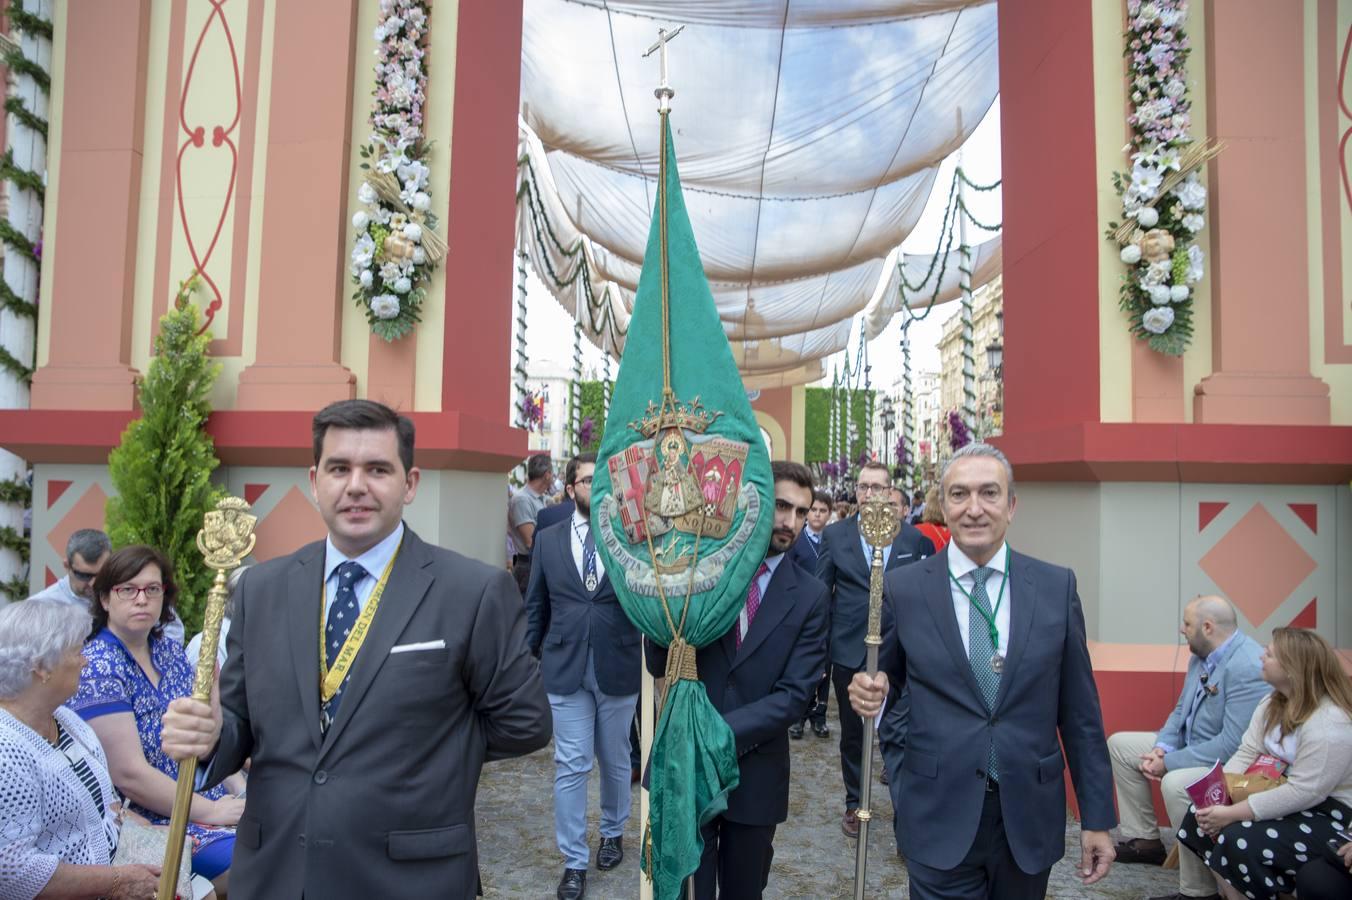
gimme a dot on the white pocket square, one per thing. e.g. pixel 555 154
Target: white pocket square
pixel 422 645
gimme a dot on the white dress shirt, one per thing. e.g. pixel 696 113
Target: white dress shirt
pixel 373 561
pixel 580 526
pixel 961 568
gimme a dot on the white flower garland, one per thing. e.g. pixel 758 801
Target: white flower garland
pixel 1163 200
pixel 396 247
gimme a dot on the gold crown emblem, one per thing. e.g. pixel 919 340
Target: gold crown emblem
pixel 673 413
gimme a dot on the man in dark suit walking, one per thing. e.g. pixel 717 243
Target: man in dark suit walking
pixel 589 656
pixel 844 568
pixel 365 759
pixel 806 551
pixel 991 644
pixel 760 677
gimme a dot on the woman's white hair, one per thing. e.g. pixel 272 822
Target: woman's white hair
pixel 34 635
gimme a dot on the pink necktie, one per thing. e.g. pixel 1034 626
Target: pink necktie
pixel 753 599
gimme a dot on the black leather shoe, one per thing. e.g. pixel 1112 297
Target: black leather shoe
pixel 610 854
pixel 821 729
pixel 796 731
pixel 1141 850
pixel 573 885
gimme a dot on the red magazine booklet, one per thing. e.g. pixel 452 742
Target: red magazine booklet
pixel 1209 790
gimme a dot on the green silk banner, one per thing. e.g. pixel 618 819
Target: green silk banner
pixel 682 506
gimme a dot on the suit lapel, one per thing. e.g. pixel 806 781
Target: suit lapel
pixel 1022 612
pixel 860 559
pixel 305 586
pixel 405 590
pixel 939 601
pixel 770 614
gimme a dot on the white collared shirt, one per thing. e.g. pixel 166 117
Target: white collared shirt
pixel 763 582
pixel 961 568
pixel 580 525
pixel 373 561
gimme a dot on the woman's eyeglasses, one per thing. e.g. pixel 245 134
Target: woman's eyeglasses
pixel 153 591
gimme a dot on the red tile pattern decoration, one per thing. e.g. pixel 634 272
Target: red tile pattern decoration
pixel 1307 617
pixel 50 577
pixel 86 513
pixel 1257 564
pixel 253 491
pixel 54 491
pixel 1308 513
pixel 1206 512
pixel 292 523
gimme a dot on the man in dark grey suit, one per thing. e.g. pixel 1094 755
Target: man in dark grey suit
pixel 589 656
pixel 806 551
pixel 991 644
pixel 365 762
pixel 844 567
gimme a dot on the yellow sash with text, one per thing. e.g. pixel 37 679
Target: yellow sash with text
pixel 330 680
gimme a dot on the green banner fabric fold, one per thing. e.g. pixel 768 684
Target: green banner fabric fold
pixel 682 506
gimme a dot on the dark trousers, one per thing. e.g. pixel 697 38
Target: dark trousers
pixel 817 710
pixel 1324 878
pixel 851 734
pixel 736 860
pixel 988 872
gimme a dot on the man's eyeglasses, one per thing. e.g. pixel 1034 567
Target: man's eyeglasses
pixel 153 591
pixel 865 488
pixel 83 577
pixel 585 482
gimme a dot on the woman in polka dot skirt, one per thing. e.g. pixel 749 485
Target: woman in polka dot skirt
pixel 1256 846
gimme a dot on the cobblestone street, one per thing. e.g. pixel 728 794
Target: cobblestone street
pixel 813 859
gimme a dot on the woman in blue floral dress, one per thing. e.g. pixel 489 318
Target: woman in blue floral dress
pixel 131 673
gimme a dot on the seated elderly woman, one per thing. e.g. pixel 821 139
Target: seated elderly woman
pixel 1303 729
pixel 131 674
pixel 58 810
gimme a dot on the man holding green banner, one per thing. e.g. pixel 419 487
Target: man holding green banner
pixel 682 509
pixel 761 676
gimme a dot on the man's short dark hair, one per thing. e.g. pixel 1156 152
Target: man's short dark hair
pixel 89 543
pixel 820 496
pixel 786 470
pixel 364 415
pixel 570 474
pixel 538 465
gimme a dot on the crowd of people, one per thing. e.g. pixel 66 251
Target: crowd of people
pixel 341 751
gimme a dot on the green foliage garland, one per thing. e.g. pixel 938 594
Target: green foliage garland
pixel 817 424
pixel 162 469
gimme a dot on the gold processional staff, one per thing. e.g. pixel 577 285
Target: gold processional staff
pixel 225 540
pixel 878 524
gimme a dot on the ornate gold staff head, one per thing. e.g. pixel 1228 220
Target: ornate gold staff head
pixel 227 534
pixel 878 522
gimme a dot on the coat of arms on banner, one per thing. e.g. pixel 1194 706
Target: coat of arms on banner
pixel 679 485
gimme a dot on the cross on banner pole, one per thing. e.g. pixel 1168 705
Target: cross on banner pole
pixel 663 93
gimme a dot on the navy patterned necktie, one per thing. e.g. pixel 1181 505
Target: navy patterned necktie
pixel 589 578
pixel 980 649
pixel 342 616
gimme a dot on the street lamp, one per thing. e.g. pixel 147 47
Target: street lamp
pixel 889 419
pixel 995 357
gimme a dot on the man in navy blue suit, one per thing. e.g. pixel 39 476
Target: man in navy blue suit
pixel 844 568
pixel 589 659
pixel 806 551
pixel 761 677
pixel 991 644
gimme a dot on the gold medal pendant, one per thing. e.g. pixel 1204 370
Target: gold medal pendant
pixel 997 664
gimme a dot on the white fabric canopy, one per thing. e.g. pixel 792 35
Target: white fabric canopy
pixel 808 136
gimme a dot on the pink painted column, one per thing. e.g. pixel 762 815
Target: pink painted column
pixel 1259 274
pixel 302 283
pixel 95 242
